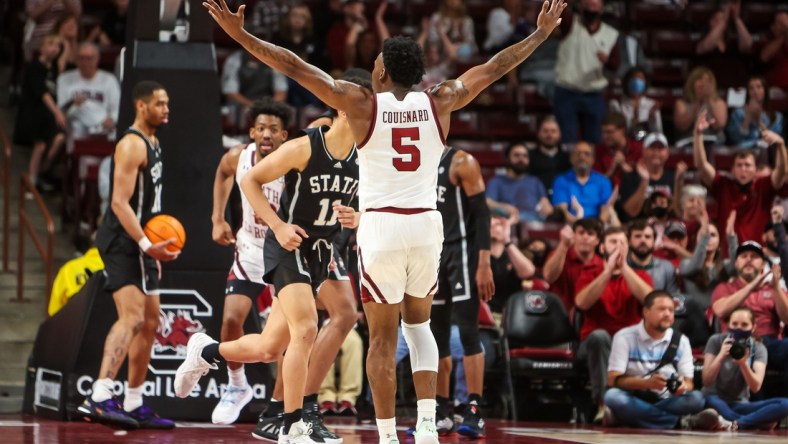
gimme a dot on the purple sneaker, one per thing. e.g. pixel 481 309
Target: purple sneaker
pixel 148 419
pixel 109 412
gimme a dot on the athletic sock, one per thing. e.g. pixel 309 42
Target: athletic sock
pixel 211 354
pixel 426 411
pixel 310 398
pixel 290 419
pixel 237 377
pixel 387 429
pixel 274 408
pixel 133 399
pixel 442 407
pixel 102 390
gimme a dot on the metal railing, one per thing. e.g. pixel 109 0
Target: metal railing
pixel 5 182
pixel 26 227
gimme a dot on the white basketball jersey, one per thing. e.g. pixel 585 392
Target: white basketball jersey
pixel 398 161
pixel 253 231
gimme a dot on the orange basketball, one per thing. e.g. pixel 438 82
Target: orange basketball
pixel 163 227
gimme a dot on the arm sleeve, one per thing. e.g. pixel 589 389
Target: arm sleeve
pixel 686 367
pixel 113 102
pixel 560 192
pixel 493 189
pixel 733 244
pixel 280 82
pixel 230 82
pixel 713 345
pixel 619 355
pixel 777 125
pixel 480 220
pixel 694 263
pixel 734 126
pixel 672 286
pixel 760 353
pixel 63 95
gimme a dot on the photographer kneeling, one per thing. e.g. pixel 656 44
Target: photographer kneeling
pixel 650 375
pixel 733 368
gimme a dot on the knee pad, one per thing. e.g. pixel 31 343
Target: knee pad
pixel 469 336
pixel 422 346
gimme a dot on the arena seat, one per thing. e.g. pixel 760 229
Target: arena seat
pixel 656 16
pixel 671 44
pixel 465 124
pixel 539 345
pixel 529 99
pixel 508 126
pixel 668 72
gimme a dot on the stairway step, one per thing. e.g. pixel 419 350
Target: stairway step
pixel 15 351
pixel 16 329
pixel 13 388
pixel 11 404
pixel 14 372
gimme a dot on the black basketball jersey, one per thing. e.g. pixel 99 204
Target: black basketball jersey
pixel 146 199
pixel 310 194
pixel 452 202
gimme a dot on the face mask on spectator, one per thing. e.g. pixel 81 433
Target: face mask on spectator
pixel 738 333
pixel 637 86
pixel 659 212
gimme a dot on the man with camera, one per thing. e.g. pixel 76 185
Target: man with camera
pixel 650 375
pixel 734 366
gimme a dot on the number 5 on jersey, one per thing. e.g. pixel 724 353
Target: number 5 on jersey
pixel 412 159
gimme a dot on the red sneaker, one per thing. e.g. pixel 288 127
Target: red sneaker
pixel 346 408
pixel 328 408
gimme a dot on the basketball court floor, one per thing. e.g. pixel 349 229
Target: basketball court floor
pixel 33 430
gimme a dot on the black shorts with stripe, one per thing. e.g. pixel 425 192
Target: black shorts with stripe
pixel 457 273
pixel 307 264
pixel 125 264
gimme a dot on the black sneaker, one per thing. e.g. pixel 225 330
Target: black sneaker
pixel 109 412
pixel 472 423
pixel 320 433
pixel 268 427
pixel 148 419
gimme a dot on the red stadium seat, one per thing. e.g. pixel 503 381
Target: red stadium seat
pixel 529 99
pixel 671 44
pixel 646 15
pixel 668 72
pixel 465 124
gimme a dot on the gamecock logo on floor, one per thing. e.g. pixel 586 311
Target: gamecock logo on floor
pixel 181 315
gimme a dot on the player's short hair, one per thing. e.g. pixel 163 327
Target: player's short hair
pixel 404 60
pixel 614 230
pixel 269 107
pixel 639 225
pixel 512 146
pixel 360 77
pixel 144 90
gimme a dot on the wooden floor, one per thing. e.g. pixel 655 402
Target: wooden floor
pixel 33 430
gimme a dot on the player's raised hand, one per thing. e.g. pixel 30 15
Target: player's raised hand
pixel 290 236
pixel 347 216
pixel 231 22
pixel 550 16
pixel 223 234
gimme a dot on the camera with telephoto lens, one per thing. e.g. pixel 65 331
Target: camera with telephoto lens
pixel 673 383
pixel 739 347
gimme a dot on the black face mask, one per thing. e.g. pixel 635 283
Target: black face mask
pixel 590 16
pixel 539 258
pixel 659 212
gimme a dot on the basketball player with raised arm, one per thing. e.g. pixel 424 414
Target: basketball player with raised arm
pixel 131 264
pixel 400 136
pixel 321 171
pixel 268 131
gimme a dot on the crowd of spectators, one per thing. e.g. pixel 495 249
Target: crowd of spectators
pixel 643 190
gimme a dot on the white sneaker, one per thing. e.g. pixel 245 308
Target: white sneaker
pixel 233 401
pixel 389 439
pixel 300 433
pixel 194 366
pixel 426 433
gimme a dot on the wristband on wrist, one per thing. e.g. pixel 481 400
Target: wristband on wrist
pixel 144 243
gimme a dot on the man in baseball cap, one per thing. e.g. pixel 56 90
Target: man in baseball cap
pixel 648 176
